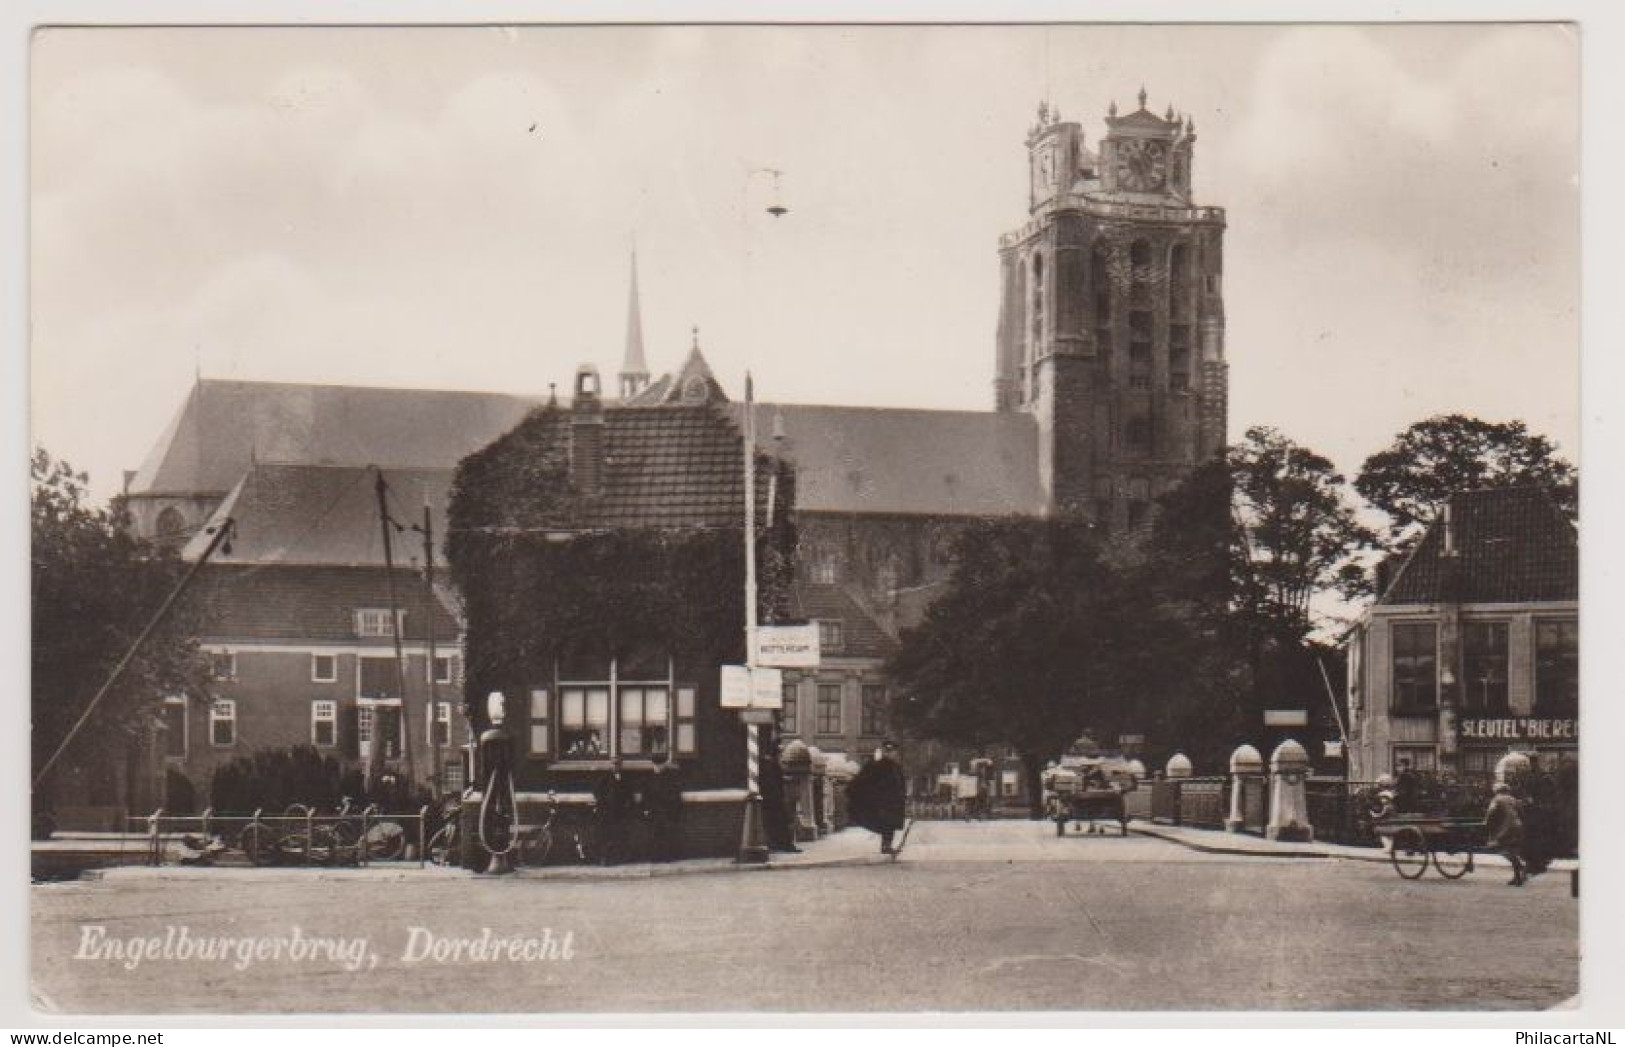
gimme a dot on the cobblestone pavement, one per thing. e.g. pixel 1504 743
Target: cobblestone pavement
pixel 977 916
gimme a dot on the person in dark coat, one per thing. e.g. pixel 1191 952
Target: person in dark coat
pixel 1407 788
pixel 663 807
pixel 1504 821
pixel 875 797
pixel 613 810
pixel 775 812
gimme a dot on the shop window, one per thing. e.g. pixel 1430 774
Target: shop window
pixel 1484 664
pixel 829 708
pixel 223 723
pixel 787 712
pixel 541 727
pixel 437 723
pixel 1557 667
pixel 874 710
pixel 172 714
pixel 584 721
pixel 324 668
pixel 1423 758
pixel 1415 666
pixel 375 621
pixel 644 721
pixel 1480 763
pixel 324 723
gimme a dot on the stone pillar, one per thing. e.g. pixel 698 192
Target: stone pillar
pixel 817 792
pixel 1289 806
pixel 1178 766
pixel 797 764
pixel 1245 765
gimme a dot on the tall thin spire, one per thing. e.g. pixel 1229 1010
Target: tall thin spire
pixel 634 370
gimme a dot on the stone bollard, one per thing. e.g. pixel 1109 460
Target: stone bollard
pixel 1178 766
pixel 1245 765
pixel 1289 806
pixel 819 793
pixel 797 763
pixel 838 773
pixel 1137 770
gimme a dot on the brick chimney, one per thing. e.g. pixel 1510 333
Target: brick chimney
pixel 587 433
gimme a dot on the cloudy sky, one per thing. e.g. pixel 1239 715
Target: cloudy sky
pixel 455 208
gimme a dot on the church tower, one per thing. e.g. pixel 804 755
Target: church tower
pixel 1111 317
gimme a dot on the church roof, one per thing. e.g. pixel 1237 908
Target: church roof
pixel 321 515
pixel 906 461
pixel 224 426
pixel 1512 545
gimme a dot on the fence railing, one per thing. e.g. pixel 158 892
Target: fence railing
pixel 296 837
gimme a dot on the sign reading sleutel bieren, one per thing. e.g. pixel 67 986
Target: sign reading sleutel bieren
pixel 1519 729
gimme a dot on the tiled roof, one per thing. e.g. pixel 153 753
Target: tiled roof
pixel 1513 545
pixel 664 466
pixel 903 461
pixel 315 514
pixel 225 426
pixel 271 603
pixel 861 635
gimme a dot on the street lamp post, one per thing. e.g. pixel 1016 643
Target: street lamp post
pixel 753 841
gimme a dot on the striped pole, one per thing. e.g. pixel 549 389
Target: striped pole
pixel 753 752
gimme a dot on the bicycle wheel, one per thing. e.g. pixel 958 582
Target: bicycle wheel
pixel 259 845
pixel 1453 859
pixel 533 850
pixel 443 846
pixel 1410 853
pixel 335 845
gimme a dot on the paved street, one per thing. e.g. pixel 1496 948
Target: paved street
pixel 984 916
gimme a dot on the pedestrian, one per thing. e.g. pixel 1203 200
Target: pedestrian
pixel 776 817
pixel 613 809
pixel 1504 821
pixel 663 808
pixel 876 796
pixel 1407 786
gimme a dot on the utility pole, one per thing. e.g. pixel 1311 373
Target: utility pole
pixel 753 841
pixel 385 523
pixel 437 771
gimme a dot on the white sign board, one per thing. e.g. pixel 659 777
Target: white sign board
pixel 1285 718
pixel 735 687
pixel 787 646
pixel 766 688
pixel 743 688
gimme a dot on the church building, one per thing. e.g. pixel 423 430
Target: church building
pixel 1109 385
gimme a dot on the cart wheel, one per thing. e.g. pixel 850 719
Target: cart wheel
pixel 1410 853
pixel 1453 860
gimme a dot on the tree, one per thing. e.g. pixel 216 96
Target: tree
pixel 94 587
pixel 1033 643
pixel 1444 454
pixel 1300 536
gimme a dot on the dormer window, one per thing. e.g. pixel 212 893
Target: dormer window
pixel 375 622
pixel 829 634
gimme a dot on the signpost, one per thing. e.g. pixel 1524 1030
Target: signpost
pixel 1286 718
pixel 787 646
pixel 744 687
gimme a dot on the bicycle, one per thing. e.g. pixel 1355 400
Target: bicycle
pixel 536 842
pixel 375 839
pixel 445 847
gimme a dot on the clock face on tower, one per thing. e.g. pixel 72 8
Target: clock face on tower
pixel 1142 167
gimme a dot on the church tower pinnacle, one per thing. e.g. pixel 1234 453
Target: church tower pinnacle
pixel 634 370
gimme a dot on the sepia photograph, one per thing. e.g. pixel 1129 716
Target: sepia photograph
pixel 793 519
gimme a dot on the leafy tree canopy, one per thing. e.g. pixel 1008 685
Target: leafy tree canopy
pixel 1444 454
pixel 94 588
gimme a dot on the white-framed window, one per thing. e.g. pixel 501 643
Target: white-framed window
pixel 829 634
pixel 324 668
pixel 172 714
pixel 223 665
pixel 446 668
pixel 324 723
pixel 645 716
pixel 364 722
pixel 375 621
pixel 584 721
pixel 454 779
pixel 438 723
pixel 223 723
pixel 829 708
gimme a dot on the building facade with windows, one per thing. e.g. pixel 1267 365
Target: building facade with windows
pixel 1109 385
pixel 1471 650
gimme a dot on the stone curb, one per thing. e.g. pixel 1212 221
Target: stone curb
pixel 413 872
pixel 1263 849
